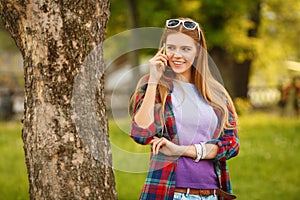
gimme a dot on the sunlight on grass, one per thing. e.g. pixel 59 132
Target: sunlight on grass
pixel 120 136
pixel 268 162
pixel 13 173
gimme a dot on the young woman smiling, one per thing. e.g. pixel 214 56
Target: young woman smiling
pixel 187 117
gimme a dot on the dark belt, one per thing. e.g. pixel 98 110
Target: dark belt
pixel 218 192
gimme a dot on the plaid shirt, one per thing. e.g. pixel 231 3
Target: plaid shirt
pixel 160 181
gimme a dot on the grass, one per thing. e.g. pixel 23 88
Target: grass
pixel 13 174
pixel 268 164
pixel 266 168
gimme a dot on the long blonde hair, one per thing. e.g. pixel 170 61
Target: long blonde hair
pixel 212 91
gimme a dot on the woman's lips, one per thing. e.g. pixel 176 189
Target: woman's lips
pixel 178 62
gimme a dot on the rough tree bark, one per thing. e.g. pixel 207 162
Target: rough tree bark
pixel 65 140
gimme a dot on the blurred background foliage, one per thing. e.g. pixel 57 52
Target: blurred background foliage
pixel 254 44
pixel 248 41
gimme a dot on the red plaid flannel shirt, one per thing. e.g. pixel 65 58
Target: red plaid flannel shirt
pixel 160 181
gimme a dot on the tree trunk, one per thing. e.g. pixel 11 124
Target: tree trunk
pixel 134 56
pixel 224 62
pixel 235 75
pixel 242 70
pixel 65 130
pixel 241 76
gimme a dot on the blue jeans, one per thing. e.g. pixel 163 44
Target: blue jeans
pixel 181 196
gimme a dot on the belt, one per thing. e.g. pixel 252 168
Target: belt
pixel 218 192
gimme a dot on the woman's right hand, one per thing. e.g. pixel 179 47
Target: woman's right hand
pixel 157 66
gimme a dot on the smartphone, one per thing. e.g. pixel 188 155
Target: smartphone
pixel 165 48
pixel 165 52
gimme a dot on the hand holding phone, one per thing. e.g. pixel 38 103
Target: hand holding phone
pixel 158 63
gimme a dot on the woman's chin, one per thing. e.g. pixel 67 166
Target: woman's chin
pixel 179 69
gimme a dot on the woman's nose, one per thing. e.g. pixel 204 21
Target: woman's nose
pixel 176 54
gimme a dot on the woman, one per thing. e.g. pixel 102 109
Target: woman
pixel 187 117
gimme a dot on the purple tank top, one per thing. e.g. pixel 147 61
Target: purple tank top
pixel 196 122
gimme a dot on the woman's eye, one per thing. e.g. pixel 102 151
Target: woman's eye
pixel 170 47
pixel 186 49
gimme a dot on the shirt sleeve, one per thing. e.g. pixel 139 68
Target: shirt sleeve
pixel 228 142
pixel 143 135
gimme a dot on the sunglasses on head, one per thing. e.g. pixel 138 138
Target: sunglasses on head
pixel 190 25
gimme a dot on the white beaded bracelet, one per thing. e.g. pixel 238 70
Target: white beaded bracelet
pixel 198 152
pixel 203 150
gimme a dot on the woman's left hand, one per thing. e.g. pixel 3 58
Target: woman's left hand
pixel 164 146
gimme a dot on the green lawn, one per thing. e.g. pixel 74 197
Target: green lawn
pixel 13 174
pixel 266 168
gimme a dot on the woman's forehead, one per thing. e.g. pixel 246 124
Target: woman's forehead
pixel 180 39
